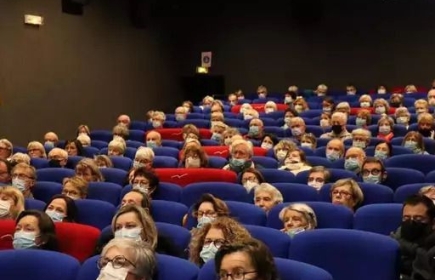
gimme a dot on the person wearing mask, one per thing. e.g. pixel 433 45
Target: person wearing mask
pixel 269 141
pixel 383 150
pixel 282 149
pixel 416 238
pixel 57 158
pixel 402 116
pixel 262 92
pixel 297 218
pixel 255 129
pixel 426 125
pixel 212 236
pixel 153 139
pixel 385 128
pixel 290 95
pixel 382 89
pixel 296 162
pixel 309 141
pixel 350 89
pixel 217 131
pixel 361 138
pixel 334 150
pixel 144 157
pixel 289 114
pixel 325 121
pixel 24 178
pixel 145 181
pixel 300 105
pixel 123 258
pixel 251 178
pixel 363 118
pixel 396 100
pixel 266 196
pixel 373 171
pixel 88 170
pixel 414 141
pixel 421 106
pixel 50 140
pixel 158 119
pixel 35 230
pixel 318 176
pixel 61 208
pixel 241 152
pixel 228 135
pixel 339 131
pixel 298 127
pixel 270 107
pixel 328 105
pixel 207 209
pixel 365 101
pixel 354 158
pixel 431 97
pixel 381 106
pixel 11 203
pixel 321 90
pixel 181 113
pixel 194 157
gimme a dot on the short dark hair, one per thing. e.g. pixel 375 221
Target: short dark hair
pixel 390 147
pixel 421 199
pixel 261 258
pixel 219 205
pixel 8 165
pixel 46 228
pixel 71 207
pixel 80 150
pixel 374 160
pixel 150 175
pixel 272 137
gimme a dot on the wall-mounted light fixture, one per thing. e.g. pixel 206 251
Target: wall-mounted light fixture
pixel 33 20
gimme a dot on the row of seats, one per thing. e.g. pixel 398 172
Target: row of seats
pixel 316 249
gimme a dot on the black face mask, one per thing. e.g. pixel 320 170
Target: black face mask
pixel 54 163
pixel 413 230
pixel 425 131
pixel 337 129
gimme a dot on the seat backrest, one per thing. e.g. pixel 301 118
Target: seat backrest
pixel 168 212
pixel 179 235
pixel 44 190
pixel 89 269
pixel 165 191
pixel 328 215
pixel 54 174
pixel 378 218
pixel 95 213
pixel 165 162
pixel 77 240
pixel 292 192
pixel 277 176
pixel 169 268
pixel 38 264
pixel 397 177
pixel 218 151
pixel 404 191
pixel 105 191
pixel 114 175
pixel 341 252
pixel 39 163
pixel 7 229
pixel 34 204
pixel 277 241
pixel 373 193
pixel 265 162
pixel 423 163
pixel 123 163
pixel 225 191
pixel 185 176
pixel 166 151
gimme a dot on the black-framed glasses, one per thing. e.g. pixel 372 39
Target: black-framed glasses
pixel 235 275
pixel 117 262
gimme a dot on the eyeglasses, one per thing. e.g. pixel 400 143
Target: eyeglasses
pixel 21 176
pixel 420 219
pixel 341 193
pixel 117 262
pixel 206 213
pixel 374 172
pixel 216 242
pixel 235 275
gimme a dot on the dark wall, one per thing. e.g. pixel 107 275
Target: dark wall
pixel 333 42
pixel 79 69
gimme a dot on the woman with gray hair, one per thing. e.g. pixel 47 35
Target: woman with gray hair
pixel 124 258
pixel 297 217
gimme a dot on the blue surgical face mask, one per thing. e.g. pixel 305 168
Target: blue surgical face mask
pixel 208 252
pixel 19 184
pixel 180 117
pixel 351 164
pixel 380 110
pixel 293 231
pixel 204 220
pixel 137 164
pixel 254 130
pixel 151 144
pixel 332 155
pixel 130 233
pixel 24 240
pixel 237 162
pixel 156 124
pixel 381 154
pixel 384 129
pixel 141 187
pixel 412 145
pixel 360 122
pixel 373 179
pixel 48 145
pixel 216 137
pixel 55 216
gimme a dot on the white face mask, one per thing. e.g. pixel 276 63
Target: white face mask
pixel 227 141
pixel 268 110
pixel 193 162
pixel 316 185
pixel 324 122
pixel 249 185
pixel 266 146
pixel 110 273
pixel 280 155
pixel 5 206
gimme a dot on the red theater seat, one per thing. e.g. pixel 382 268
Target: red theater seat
pixel 186 176
pixel 354 111
pixel 77 240
pixel 217 151
pixel 7 229
pixel 258 107
pixel 205 133
pixel 171 133
pixel 259 152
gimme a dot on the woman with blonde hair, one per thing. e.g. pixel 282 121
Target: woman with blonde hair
pixel 348 193
pixel 297 217
pixel 134 222
pixel 11 202
pixel 194 157
pixel 35 149
pixel 88 170
pixel 222 231
pixel 75 187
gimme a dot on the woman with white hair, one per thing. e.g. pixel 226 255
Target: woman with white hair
pixel 124 258
pixel 241 152
pixel 297 217
pixel 270 107
pixel 117 147
pixel 267 196
pixel 84 139
pixel 144 158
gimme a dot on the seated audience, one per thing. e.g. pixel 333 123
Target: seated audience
pixel 24 178
pixel 57 158
pixel 11 203
pixel 6 148
pixel 208 208
pixel 116 147
pixel 145 181
pixel 75 187
pixel 353 159
pixel 88 170
pixel 241 152
pixel 144 158
pixel 50 140
pixel 296 162
pixel 84 139
pixel 361 138
pixel 103 161
pixel 251 178
pixel 268 141
pixel 120 131
pixel 318 176
pixel 5 172
pixel 383 150
pixel 124 120
pixel 194 157
pixel 83 129
pixel 153 139
pixel 414 141
pixel 74 148
pixel 373 171
pixel 35 149
pixel 334 150
pixel 296 218
pixel 19 158
pixel 339 131
pixel 347 192
pixel 385 128
pixel 309 141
